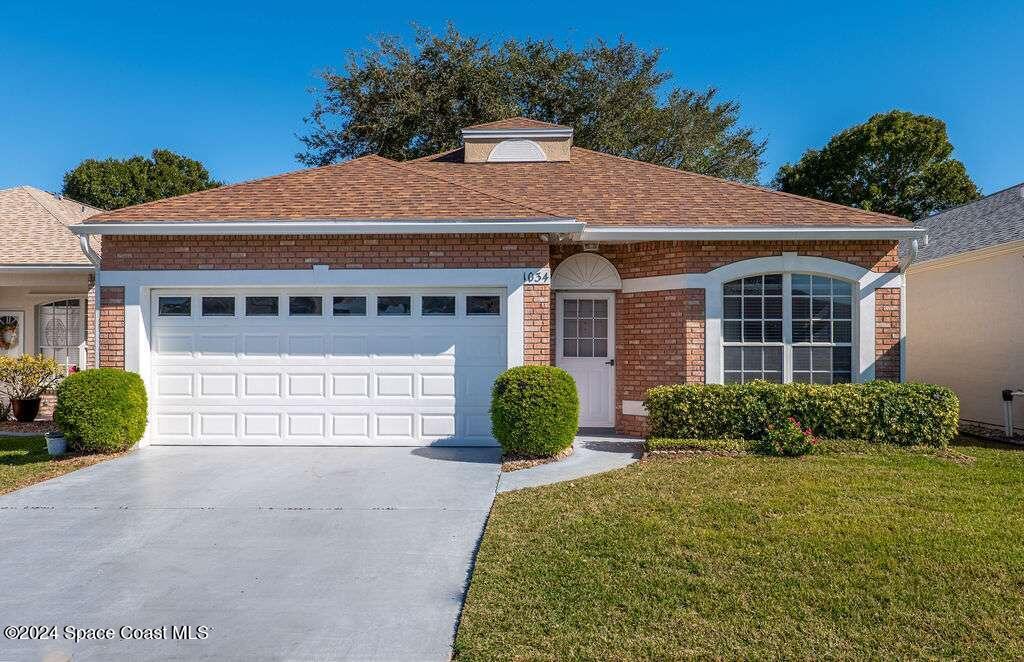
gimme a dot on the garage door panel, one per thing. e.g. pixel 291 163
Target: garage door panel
pixel 305 385
pixel 261 385
pixel 350 385
pixel 261 347
pixel 402 380
pixel 349 345
pixel 307 345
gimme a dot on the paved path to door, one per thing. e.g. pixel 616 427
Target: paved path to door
pixel 593 453
pixel 282 553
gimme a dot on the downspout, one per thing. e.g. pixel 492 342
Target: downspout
pixel 83 241
pixel 904 266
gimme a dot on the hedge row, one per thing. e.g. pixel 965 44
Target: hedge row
pixel 903 414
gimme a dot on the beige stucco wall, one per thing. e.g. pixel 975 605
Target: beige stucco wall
pixel 478 149
pixel 965 329
pixel 23 292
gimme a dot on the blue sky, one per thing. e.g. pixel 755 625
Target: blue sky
pixel 227 83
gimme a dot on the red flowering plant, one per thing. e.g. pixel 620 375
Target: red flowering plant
pixel 789 439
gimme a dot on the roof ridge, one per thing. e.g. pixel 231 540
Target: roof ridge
pixel 748 187
pixel 546 212
pixel 984 197
pixel 433 156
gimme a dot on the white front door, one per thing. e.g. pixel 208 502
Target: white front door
pixel 586 350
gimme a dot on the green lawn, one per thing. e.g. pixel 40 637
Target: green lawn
pixel 23 461
pixel 882 555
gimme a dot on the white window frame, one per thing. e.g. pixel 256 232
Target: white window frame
pixel 787 342
pixel 864 283
pixel 78 349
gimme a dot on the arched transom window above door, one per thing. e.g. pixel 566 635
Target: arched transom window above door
pixel 788 327
pixel 586 271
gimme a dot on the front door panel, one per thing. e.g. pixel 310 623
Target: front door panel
pixel 586 350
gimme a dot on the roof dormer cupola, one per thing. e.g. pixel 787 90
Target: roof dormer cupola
pixel 516 140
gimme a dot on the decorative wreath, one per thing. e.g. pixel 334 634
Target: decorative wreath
pixel 8 329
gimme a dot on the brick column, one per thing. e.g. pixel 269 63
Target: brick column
pixel 537 325
pixel 112 327
pixel 887 333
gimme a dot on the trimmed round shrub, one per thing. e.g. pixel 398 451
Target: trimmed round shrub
pixel 534 410
pixel 101 410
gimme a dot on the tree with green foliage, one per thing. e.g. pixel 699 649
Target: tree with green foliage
pixel 896 163
pixel 116 183
pixel 406 102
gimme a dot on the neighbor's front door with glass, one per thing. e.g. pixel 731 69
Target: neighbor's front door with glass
pixel 586 350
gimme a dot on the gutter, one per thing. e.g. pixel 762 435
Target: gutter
pixel 83 241
pixel 330 227
pixel 750 233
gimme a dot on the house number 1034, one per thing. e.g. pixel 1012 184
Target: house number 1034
pixel 539 277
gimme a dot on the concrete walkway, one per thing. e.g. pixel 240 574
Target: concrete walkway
pixel 281 553
pixel 593 453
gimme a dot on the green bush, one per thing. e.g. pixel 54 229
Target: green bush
pixel 101 410
pixel 903 414
pixel 534 410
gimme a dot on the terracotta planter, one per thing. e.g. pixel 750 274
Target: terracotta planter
pixel 25 411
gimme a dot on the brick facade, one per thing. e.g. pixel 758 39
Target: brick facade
pixel 338 252
pixel 660 336
pixel 112 327
pixel 887 333
pixel 537 325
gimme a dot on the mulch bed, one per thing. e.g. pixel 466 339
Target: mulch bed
pixel 517 461
pixel 35 427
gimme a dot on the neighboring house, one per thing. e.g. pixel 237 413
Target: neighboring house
pixel 965 308
pixel 45 277
pixel 374 302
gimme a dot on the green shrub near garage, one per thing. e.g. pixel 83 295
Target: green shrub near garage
pixel 879 411
pixel 101 410
pixel 534 410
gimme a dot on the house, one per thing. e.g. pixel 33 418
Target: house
pixel 45 278
pixel 965 307
pixel 374 302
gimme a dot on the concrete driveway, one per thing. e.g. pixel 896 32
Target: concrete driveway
pixel 281 553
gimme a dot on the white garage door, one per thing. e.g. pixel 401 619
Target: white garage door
pixel 379 367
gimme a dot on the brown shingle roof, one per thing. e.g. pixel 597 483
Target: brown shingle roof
pixel 601 189
pixel 596 188
pixel 517 123
pixel 367 188
pixel 34 228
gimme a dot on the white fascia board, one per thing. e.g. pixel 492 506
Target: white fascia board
pixel 703 233
pixel 52 268
pixel 178 228
pixel 517 133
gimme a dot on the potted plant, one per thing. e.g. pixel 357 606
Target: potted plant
pixel 24 379
pixel 56 444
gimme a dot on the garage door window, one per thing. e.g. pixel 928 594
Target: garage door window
pixel 305 306
pixel 442 306
pixel 175 306
pixel 260 306
pixel 349 306
pixel 483 305
pixel 394 305
pixel 218 306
